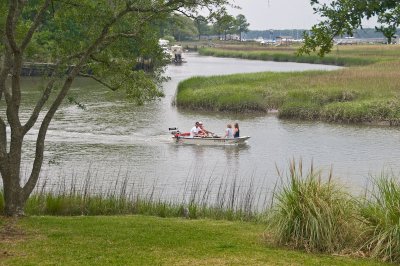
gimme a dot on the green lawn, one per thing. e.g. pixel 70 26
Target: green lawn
pixel 142 240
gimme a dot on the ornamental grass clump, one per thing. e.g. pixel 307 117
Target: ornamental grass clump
pixel 381 217
pixel 312 213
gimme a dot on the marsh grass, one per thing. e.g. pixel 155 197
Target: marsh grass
pixel 380 211
pixel 312 213
pixel 347 58
pixel 367 94
pixel 225 198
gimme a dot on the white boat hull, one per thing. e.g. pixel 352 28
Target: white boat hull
pixel 211 141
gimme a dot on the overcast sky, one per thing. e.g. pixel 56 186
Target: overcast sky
pixel 278 14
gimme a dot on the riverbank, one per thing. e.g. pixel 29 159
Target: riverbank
pixel 142 240
pixel 358 94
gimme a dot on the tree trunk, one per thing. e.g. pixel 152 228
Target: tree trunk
pixel 13 197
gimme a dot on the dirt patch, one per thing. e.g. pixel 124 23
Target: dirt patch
pixel 10 231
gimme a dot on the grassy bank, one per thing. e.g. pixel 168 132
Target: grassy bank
pixel 140 240
pixel 308 212
pixel 287 55
pixel 341 55
pixel 357 94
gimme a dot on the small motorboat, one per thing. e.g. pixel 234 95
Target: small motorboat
pixel 185 138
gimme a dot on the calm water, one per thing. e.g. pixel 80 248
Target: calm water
pixel 114 139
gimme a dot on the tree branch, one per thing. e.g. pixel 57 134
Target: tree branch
pixel 99 81
pixel 10 25
pixel 39 105
pixel 5 70
pixel 39 17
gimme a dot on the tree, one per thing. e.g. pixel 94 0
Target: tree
pixel 241 25
pixel 224 24
pixel 99 39
pixel 181 27
pixel 202 26
pixel 342 17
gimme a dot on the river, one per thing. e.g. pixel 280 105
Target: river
pixel 111 139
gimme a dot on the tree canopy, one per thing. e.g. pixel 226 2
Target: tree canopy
pixel 342 17
pixel 98 39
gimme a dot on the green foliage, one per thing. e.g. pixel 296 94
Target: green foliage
pixel 381 218
pixel 312 213
pixel 343 17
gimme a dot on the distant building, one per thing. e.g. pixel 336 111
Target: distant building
pixel 284 40
pixel 234 37
pixel 354 41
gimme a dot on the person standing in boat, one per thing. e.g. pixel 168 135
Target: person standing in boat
pixel 194 132
pixel 229 132
pixel 236 130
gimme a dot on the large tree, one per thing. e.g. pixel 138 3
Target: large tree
pixel 342 17
pixel 202 26
pixel 241 25
pixel 181 27
pixel 224 24
pixel 100 39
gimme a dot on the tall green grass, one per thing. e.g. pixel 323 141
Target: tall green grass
pixel 367 94
pixel 312 213
pixel 215 198
pixel 381 219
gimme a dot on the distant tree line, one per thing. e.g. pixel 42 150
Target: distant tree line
pixel 298 33
pixel 180 28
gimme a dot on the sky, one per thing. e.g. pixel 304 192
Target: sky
pixel 278 14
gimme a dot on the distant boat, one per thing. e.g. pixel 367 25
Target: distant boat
pixel 176 52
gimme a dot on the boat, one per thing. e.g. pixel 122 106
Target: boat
pixel 176 53
pixel 185 138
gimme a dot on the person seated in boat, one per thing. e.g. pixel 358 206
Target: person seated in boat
pixel 194 132
pixel 202 131
pixel 236 130
pixel 229 132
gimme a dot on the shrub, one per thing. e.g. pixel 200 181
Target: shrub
pixel 311 213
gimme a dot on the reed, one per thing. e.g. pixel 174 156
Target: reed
pixel 312 213
pixel 210 198
pixel 367 94
pixel 381 219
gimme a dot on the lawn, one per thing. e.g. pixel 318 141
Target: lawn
pixel 145 240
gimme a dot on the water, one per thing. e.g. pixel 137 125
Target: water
pixel 115 139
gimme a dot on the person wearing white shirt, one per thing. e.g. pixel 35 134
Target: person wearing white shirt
pixel 195 130
pixel 229 132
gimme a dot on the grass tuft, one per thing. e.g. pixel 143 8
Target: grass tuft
pixel 381 219
pixel 312 213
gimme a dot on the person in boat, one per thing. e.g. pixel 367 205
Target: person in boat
pixel 202 131
pixel 194 132
pixel 236 130
pixel 229 132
